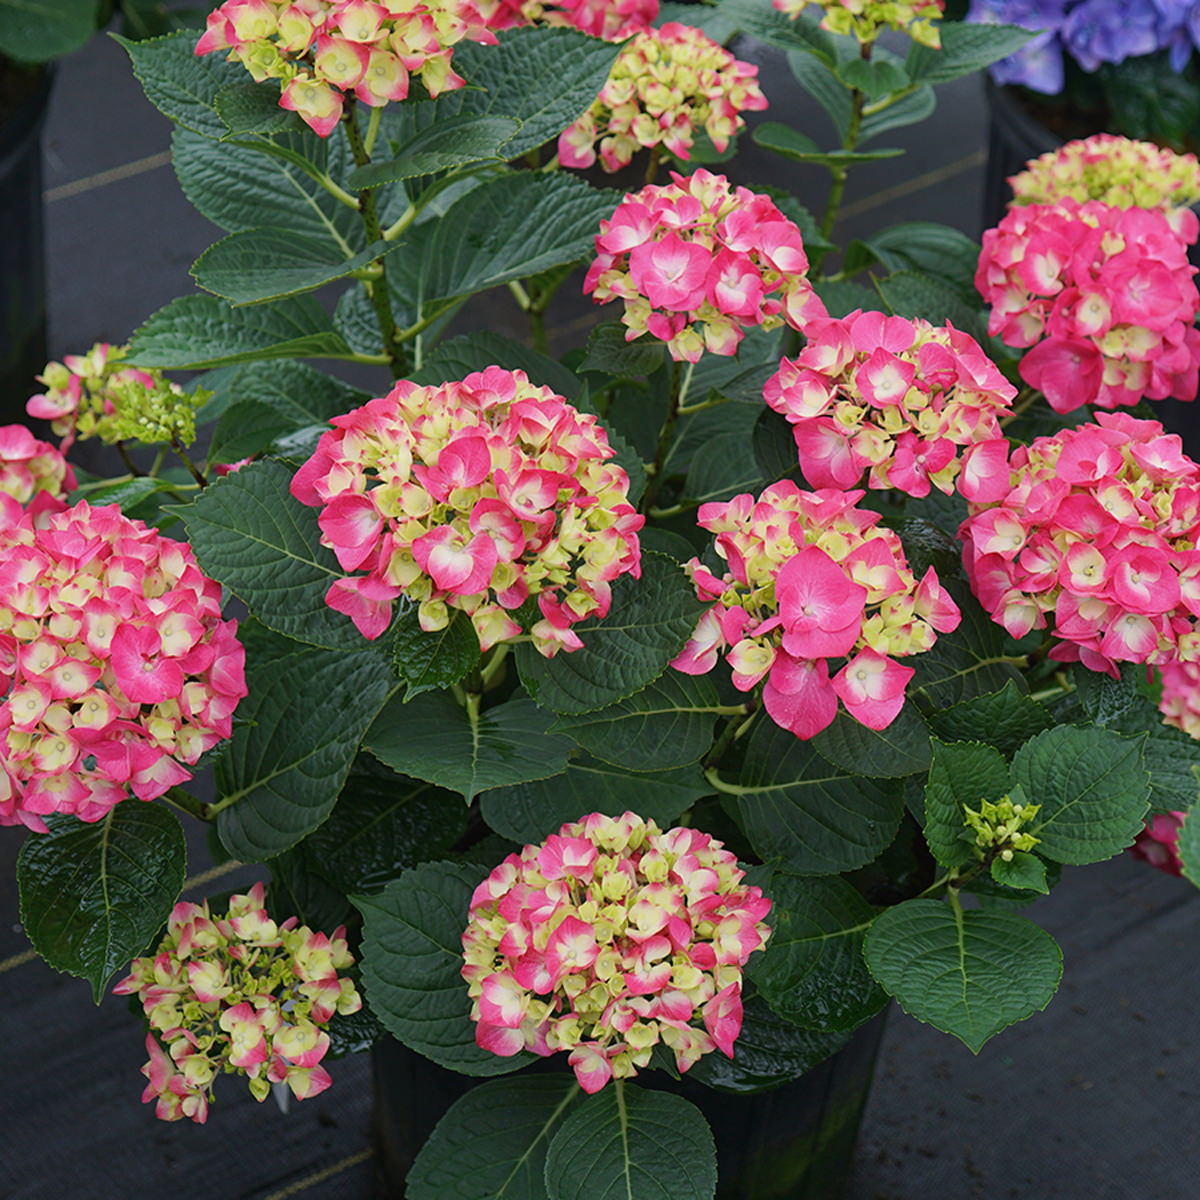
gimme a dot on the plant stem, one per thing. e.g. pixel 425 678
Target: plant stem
pixel 377 289
pixel 520 295
pixel 1025 400
pixel 680 381
pixel 372 129
pixel 134 469
pixel 494 667
pixel 181 453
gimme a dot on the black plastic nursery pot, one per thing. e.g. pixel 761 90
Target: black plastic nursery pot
pixel 793 1142
pixel 22 248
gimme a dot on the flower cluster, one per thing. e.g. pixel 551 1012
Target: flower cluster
pixel 608 939
pixel 1096 526
pixel 1158 843
pixel 1104 296
pixel 811 579
pixel 96 395
pixel 30 470
pixel 612 20
pixel 240 995
pixel 1180 702
pixel 997 826
pixel 698 254
pixel 1091 32
pixel 665 84
pixel 115 664
pixel 1119 172
pixel 894 397
pixel 477 496
pixel 867 19
pixel 322 49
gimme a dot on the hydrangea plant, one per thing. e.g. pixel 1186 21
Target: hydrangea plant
pixel 737 671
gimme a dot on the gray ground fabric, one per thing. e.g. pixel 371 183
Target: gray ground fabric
pixel 1096 1099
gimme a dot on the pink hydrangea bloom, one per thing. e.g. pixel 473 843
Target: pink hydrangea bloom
pixel 889 396
pixel 1158 843
pixel 1119 172
pixel 867 19
pixel 697 260
pixel 612 20
pixel 475 495
pixel 1103 295
pixel 1095 528
pixel 320 51
pixel 237 995
pixel 608 939
pixel 30 470
pixel 1180 704
pixel 115 665
pixel 665 84
pixel 812 581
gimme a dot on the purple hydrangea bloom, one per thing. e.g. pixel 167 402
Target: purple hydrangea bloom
pixel 1099 31
pixel 1039 63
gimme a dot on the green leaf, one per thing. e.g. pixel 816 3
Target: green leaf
pixel 1003 719
pixel 819 820
pixel 34 31
pixel 297 890
pixel 544 78
pixel 1107 700
pixel 257 265
pixel 843 296
pixel 1172 758
pixel 458 357
pixel 1188 845
pixel 965 48
pixel 926 248
pixel 628 1143
pixel 970 974
pixel 254 108
pixel 911 110
pixel 240 186
pixel 648 624
pixel 972 661
pixel 451 142
pixel 433 738
pixel 529 812
pixel 963 773
pixel 913 294
pixel 426 661
pixel 94 895
pixel 1093 790
pixel 608 351
pixel 491 1144
pixel 721 469
pixel 412 966
pixel 801 34
pixel 509 228
pixel 812 971
pixel 382 824
pixel 822 84
pixel 180 85
pixel 667 724
pixel 875 78
pixel 128 494
pixel 194 332
pixel 792 144
pixel 251 534
pixel 769 1051
pixel 287 762
pixel 900 749
pixel 1025 871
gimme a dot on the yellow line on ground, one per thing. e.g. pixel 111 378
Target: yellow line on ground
pixel 302 1185
pixel 113 175
pixel 17 960
pixel 917 184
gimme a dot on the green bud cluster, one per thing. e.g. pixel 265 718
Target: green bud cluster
pixel 998 825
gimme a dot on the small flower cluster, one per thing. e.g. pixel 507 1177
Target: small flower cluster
pixel 1119 172
pixel 475 495
pixel 665 84
pixel 867 19
pixel 610 938
pixel 1104 296
pixel 894 397
pixel 240 995
pixel 96 395
pixel 1091 32
pixel 322 49
pixel 115 665
pixel 1180 702
pixel 997 826
pixel 811 579
pixel 30 470
pixel 1096 526
pixel 612 20
pixel 1158 843
pixel 699 254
